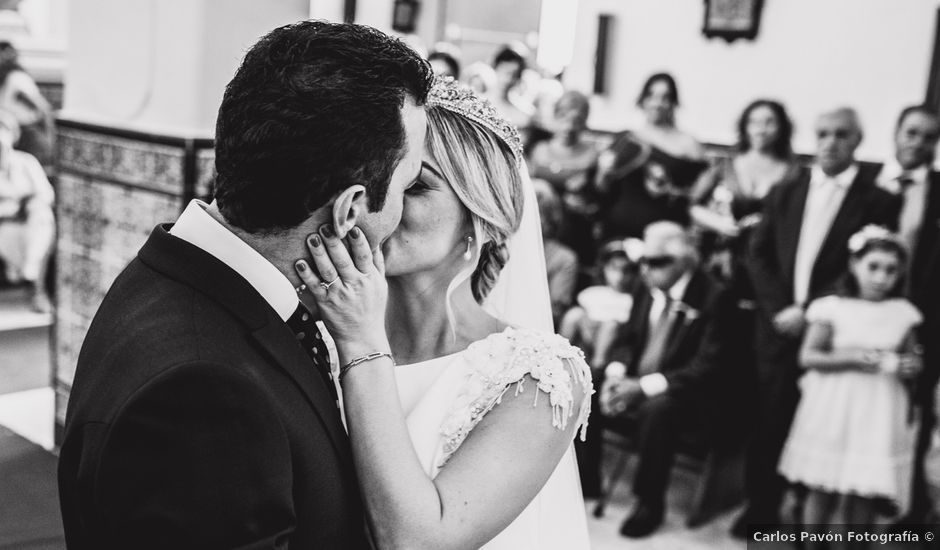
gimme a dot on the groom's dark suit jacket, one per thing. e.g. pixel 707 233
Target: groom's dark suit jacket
pixel 197 421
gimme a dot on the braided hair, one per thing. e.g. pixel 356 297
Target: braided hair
pixel 493 258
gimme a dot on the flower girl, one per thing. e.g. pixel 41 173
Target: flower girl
pixel 852 439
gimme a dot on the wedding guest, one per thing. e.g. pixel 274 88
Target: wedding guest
pixel 798 254
pixel 646 175
pixel 600 308
pixel 561 263
pixel 481 78
pixel 659 99
pixel 509 64
pixel 20 96
pixel 27 222
pixel 444 62
pixel 853 434
pixel 910 174
pixel 642 185
pixel 672 350
pixel 726 201
pixel 592 325
pixel 726 206
pixel 569 163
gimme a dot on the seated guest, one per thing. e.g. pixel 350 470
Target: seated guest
pixel 591 323
pixel 480 77
pixel 444 62
pixel 799 253
pixel 672 351
pixel 27 224
pixel 561 263
pixel 509 64
pixel 640 184
pixel 20 96
pixel 569 163
pixel 911 176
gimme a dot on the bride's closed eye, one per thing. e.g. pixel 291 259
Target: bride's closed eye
pixel 419 187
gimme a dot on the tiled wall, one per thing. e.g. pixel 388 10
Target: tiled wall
pixel 113 187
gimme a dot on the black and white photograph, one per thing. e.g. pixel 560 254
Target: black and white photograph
pixel 469 274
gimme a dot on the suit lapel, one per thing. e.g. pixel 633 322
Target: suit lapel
pixel 281 344
pixel 193 267
pixel 928 238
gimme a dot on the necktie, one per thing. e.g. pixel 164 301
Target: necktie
pixel 657 341
pixel 310 339
pixel 905 181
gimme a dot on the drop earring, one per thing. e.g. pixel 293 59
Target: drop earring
pixel 468 254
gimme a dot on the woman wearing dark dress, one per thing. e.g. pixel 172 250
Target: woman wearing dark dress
pixel 726 202
pixel 646 175
pixel 726 206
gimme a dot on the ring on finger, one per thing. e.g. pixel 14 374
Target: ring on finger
pixel 326 286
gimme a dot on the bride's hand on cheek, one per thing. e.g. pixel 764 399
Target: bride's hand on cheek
pixel 350 291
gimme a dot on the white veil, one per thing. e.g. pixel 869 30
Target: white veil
pixel 520 296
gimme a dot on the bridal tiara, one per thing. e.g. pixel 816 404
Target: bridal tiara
pixel 448 94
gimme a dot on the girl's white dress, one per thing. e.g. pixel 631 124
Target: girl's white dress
pixel 852 432
pixel 444 399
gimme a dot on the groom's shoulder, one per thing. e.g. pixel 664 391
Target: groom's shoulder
pixel 149 325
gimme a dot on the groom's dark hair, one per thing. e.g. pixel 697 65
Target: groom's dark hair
pixel 314 108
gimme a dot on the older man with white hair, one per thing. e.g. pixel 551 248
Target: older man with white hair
pixel 799 253
pixel 671 357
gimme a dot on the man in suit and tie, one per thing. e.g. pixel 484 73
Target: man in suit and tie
pixel 672 350
pixel 202 413
pixel 799 253
pixel 911 176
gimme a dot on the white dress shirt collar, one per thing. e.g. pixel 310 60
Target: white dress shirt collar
pixel 843 179
pixel 198 228
pixel 892 172
pixel 676 291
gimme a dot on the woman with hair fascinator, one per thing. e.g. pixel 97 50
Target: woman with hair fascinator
pixel 467 442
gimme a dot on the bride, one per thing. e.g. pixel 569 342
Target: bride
pixel 466 443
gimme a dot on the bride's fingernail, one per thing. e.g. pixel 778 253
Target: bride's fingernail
pixel 314 240
pixel 355 232
pixel 327 230
pixel 301 266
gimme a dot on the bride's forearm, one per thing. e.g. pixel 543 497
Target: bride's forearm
pixel 402 502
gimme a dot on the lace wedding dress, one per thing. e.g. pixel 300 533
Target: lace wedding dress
pixel 444 398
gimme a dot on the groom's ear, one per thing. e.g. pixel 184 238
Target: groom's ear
pixel 347 208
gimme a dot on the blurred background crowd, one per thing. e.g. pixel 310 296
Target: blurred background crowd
pixel 740 208
pixel 690 277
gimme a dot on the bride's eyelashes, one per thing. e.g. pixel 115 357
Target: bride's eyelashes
pixel 419 187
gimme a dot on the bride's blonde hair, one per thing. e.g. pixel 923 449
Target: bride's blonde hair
pixel 484 174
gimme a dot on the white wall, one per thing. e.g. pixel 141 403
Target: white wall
pixel 162 65
pixel 811 54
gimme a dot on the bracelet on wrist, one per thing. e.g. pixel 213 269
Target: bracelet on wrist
pixel 363 359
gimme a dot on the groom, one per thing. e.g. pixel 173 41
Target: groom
pixel 197 418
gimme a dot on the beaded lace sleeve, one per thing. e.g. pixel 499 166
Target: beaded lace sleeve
pixel 502 362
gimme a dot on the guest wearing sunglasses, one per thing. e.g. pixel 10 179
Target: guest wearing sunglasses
pixel 671 358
